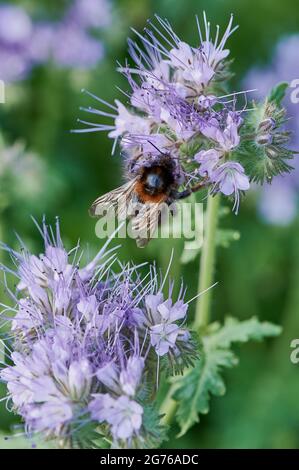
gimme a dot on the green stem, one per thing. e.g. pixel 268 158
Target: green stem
pixel 206 275
pixel 207 262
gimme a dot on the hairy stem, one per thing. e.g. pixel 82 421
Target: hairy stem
pixel 207 263
pixel 206 275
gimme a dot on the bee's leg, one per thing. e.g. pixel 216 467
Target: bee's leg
pixel 187 192
pixel 181 195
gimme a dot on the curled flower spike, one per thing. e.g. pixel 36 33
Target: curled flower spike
pixel 278 202
pixel 180 110
pixel 85 342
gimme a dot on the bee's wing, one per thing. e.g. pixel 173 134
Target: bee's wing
pixel 116 200
pixel 146 221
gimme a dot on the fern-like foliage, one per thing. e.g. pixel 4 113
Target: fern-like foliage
pixel 194 390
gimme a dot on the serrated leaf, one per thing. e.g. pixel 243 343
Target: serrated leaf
pixel 194 390
pixel 234 331
pixel 278 93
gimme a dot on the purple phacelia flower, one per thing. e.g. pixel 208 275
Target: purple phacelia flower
pixel 130 376
pixel 47 385
pixel 208 160
pixel 161 319
pixel 174 112
pixel 74 47
pixel 90 13
pixel 163 337
pixel 41 42
pixel 82 343
pixel 227 138
pixel 178 105
pixel 15 25
pixel 230 178
pixel 128 123
pixel 13 64
pixel 123 414
pixel 194 67
pixel 124 378
pixel 25 43
pixel 278 203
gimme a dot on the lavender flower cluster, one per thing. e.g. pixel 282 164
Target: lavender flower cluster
pixel 278 202
pixel 179 106
pixel 68 43
pixel 88 344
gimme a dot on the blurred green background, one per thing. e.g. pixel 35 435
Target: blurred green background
pixel 258 275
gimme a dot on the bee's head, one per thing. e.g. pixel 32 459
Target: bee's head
pixel 156 179
pixel 154 182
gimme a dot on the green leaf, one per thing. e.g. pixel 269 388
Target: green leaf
pixel 278 93
pixel 194 390
pixel 234 331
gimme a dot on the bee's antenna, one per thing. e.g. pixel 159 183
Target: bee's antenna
pixel 162 153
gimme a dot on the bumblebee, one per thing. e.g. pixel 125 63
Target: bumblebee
pixel 144 197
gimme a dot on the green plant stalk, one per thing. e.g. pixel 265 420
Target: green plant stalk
pixel 205 281
pixel 207 264
pixel 168 407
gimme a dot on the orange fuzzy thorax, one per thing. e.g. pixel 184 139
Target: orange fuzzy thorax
pixel 144 197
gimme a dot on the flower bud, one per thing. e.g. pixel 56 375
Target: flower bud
pixel 130 377
pixel 264 139
pixel 108 376
pixel 272 152
pixel 281 138
pixel 266 125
